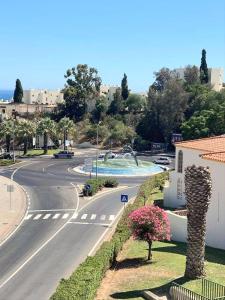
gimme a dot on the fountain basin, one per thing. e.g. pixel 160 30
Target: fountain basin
pixel 121 167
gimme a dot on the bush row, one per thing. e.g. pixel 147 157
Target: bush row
pixel 92 186
pixel 84 282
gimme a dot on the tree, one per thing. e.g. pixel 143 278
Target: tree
pixel 191 75
pixel 25 130
pixel 101 107
pixel 65 127
pixel 18 92
pixel 124 87
pixel 117 106
pixel 6 130
pixel 83 84
pixel 136 103
pixel 161 79
pixel 149 223
pixel 46 127
pixel 204 76
pixel 198 187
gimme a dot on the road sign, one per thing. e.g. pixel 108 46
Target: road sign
pixel 88 187
pixel 124 198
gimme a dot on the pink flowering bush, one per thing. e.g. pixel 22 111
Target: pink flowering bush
pixel 149 223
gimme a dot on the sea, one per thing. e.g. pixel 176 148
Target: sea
pixel 6 94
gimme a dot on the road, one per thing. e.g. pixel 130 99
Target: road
pixel 59 230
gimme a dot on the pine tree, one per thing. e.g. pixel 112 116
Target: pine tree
pixel 124 87
pixel 18 93
pixel 204 76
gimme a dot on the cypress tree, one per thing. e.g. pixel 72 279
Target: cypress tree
pixel 204 75
pixel 18 92
pixel 124 87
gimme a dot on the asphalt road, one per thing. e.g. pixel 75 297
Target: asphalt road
pixel 59 231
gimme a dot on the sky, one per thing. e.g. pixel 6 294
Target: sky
pixel 40 40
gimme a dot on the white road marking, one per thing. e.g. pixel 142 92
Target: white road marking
pixel 89 223
pixel 93 217
pixel 111 217
pixel 74 216
pixel 28 217
pixel 46 216
pixel 56 216
pixel 65 216
pixel 102 217
pixel 84 216
pixel 49 210
pixel 37 217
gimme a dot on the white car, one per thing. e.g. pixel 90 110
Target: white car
pixel 163 161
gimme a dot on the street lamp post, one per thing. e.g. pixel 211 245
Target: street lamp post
pixel 97 151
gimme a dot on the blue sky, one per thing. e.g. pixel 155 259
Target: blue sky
pixel 40 40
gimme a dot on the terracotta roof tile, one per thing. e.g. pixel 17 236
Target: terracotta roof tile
pixel 212 144
pixel 217 156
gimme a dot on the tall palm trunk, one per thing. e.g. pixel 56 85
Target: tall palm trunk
pixel 198 193
pixel 45 142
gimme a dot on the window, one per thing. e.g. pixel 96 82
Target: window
pixel 180 162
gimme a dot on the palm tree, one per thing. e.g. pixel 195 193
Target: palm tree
pixel 65 126
pixel 46 127
pixel 25 129
pixel 6 130
pixel 198 192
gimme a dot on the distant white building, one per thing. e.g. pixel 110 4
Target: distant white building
pixel 48 97
pixel 215 77
pixel 108 91
pixel 207 152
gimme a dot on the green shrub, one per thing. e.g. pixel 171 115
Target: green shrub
pixel 111 182
pixel 86 279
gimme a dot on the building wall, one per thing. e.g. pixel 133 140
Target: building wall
pixel 175 194
pixel 215 77
pixel 47 97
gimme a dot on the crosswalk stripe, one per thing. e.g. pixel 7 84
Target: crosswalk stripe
pixel 28 217
pixel 56 216
pixel 37 217
pixel 75 215
pixel 93 216
pixel 46 216
pixel 102 217
pixel 84 216
pixel 111 217
pixel 65 216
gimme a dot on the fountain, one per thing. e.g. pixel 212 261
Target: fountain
pixel 124 164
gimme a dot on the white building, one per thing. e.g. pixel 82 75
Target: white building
pixel 48 97
pixel 208 152
pixel 108 91
pixel 215 77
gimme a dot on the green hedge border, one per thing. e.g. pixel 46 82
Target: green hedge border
pixel 86 279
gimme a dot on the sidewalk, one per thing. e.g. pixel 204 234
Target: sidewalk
pixel 13 204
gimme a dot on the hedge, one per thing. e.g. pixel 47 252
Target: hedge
pixel 86 279
pixel 92 186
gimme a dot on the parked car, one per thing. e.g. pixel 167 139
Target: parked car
pixel 64 154
pixel 162 161
pixel 6 155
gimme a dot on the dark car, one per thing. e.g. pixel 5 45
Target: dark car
pixel 64 154
pixel 6 155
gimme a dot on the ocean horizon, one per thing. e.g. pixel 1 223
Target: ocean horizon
pixel 6 94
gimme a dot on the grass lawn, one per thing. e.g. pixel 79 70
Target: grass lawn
pixel 133 274
pixel 7 162
pixel 38 152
